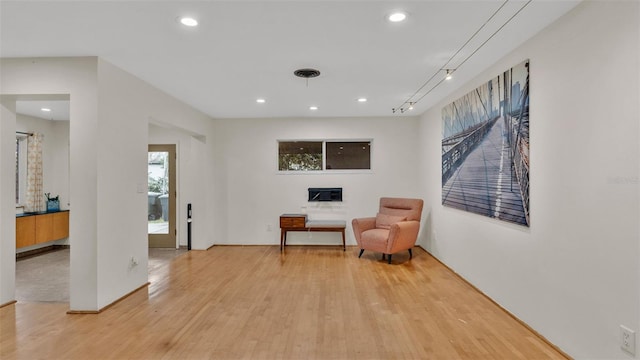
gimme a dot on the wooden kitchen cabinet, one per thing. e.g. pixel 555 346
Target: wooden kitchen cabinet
pixel 41 228
pixel 60 225
pixel 44 228
pixel 25 231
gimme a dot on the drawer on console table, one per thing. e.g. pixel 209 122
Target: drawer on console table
pixel 293 221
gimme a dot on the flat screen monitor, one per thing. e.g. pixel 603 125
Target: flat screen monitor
pixel 325 194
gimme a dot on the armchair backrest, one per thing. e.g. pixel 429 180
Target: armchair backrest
pixel 410 208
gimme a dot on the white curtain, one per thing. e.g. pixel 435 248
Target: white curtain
pixel 34 194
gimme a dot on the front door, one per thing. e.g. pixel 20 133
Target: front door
pixel 162 196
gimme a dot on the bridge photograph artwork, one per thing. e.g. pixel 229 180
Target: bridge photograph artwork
pixel 485 148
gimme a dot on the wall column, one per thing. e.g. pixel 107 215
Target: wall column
pixel 7 202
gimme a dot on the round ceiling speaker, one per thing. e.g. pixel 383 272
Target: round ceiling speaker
pixel 306 73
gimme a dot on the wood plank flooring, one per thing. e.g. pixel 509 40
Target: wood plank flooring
pixel 311 302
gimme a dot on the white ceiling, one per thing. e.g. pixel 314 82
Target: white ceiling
pixel 58 109
pixel 243 50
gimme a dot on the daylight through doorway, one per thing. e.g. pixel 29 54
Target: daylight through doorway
pixel 161 211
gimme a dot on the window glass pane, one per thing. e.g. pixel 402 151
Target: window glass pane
pixel 299 155
pixel 348 155
pixel 158 211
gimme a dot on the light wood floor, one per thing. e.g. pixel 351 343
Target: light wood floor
pixel 253 302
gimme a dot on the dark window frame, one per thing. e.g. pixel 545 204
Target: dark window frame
pixel 327 160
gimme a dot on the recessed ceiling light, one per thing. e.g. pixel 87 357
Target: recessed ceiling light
pixel 46 109
pixel 261 101
pixel 362 99
pixel 313 108
pixel 188 21
pixel 397 17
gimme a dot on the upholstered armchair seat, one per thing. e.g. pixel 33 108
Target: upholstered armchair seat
pixel 394 229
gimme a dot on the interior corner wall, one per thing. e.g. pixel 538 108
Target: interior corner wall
pixel 163 109
pixel 7 202
pixel 126 105
pixel 574 275
pixel 257 193
pixel 206 226
pixel 109 115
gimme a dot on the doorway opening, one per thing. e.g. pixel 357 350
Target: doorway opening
pixel 42 198
pixel 161 218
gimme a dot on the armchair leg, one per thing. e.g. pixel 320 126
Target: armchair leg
pixel 410 254
pixel 361 251
pixel 384 256
pixel 389 259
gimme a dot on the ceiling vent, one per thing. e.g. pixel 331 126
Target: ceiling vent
pixel 306 73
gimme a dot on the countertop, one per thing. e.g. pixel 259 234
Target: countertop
pixel 31 213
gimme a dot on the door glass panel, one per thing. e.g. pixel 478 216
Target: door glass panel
pixel 158 205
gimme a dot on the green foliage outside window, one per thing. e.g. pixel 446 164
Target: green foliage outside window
pixel 299 155
pixel 156 185
pixel 300 162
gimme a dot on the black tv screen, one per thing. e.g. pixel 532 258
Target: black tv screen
pixel 325 194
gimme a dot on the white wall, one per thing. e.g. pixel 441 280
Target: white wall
pixel 574 275
pixel 126 104
pixel 257 194
pixel 122 172
pixel 7 201
pixel 109 115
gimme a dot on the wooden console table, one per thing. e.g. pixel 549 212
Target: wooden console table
pixel 299 222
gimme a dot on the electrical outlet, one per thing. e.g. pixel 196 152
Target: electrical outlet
pixel 133 262
pixel 627 340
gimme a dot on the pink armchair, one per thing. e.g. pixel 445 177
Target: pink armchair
pixel 395 227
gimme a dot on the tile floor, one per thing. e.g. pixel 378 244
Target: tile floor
pixel 45 277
